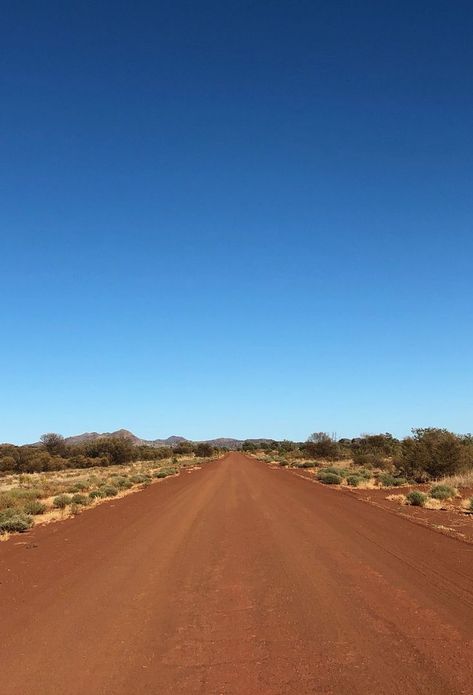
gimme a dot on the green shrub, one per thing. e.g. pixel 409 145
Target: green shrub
pixel 122 482
pixel 109 491
pixel 14 521
pixel 329 478
pixel 61 501
pixel 442 492
pixel 341 472
pixel 416 498
pixel 388 480
pixel 79 486
pixel 354 480
pixel 96 494
pixel 139 478
pixel 79 499
pixel 363 473
pixel 308 464
pixel 164 472
pixel 34 507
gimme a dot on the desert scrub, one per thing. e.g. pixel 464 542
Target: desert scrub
pixel 307 464
pixel 139 478
pixel 79 486
pixel 354 480
pixel 164 472
pixel 363 473
pixel 96 494
pixel 34 507
pixel 442 492
pixel 329 478
pixel 416 498
pixel 122 482
pixel 388 480
pixel 79 499
pixel 61 501
pixel 109 491
pixel 14 521
pixel 334 470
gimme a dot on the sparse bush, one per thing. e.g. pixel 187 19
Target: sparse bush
pixel 79 499
pixel 416 498
pixel 341 472
pixel 442 492
pixel 78 486
pixel 329 478
pixel 307 464
pixel 61 501
pixel 139 478
pixel 95 494
pixel 109 491
pixel 388 480
pixel 363 473
pixel 34 507
pixel 122 482
pixel 354 480
pixel 164 472
pixel 14 521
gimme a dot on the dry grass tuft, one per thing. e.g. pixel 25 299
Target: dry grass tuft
pixel 458 481
pixel 399 499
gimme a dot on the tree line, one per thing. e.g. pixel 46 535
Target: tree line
pixel 428 453
pixel 53 453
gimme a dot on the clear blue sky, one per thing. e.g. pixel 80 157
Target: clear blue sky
pixel 238 218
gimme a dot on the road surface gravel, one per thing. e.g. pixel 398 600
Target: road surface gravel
pixel 236 579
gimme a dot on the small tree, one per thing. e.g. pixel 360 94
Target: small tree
pixel 203 450
pixel 54 443
pixel 322 444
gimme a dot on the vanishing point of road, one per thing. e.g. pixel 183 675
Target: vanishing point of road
pixel 236 579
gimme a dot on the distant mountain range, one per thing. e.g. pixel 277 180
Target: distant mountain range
pixel 172 441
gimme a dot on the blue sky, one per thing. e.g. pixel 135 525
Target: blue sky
pixel 236 219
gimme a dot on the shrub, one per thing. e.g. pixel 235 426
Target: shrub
pixel 354 480
pixel 122 482
pixel 307 464
pixel 442 492
pixel 341 472
pixel 470 507
pixel 329 478
pixel 109 491
pixel 95 494
pixel 388 480
pixel 283 462
pixel 79 486
pixel 416 498
pixel 433 452
pixel 34 507
pixel 139 478
pixel 363 473
pixel 79 499
pixel 164 472
pixel 61 501
pixel 12 521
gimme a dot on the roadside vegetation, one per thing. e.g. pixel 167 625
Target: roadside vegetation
pixel 433 468
pixel 52 481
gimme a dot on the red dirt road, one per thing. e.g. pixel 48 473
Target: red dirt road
pixel 239 579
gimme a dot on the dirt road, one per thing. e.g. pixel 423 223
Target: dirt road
pixel 236 578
